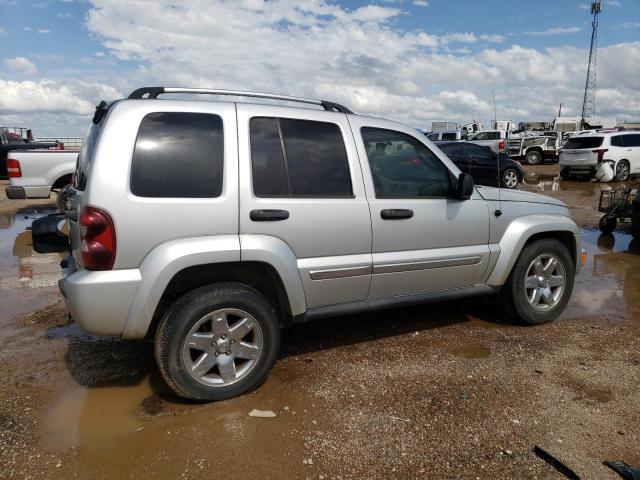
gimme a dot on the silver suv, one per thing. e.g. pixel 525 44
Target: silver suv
pixel 209 226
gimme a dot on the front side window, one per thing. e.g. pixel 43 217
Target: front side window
pixel 403 167
pixel 298 158
pixel 617 141
pixel 178 155
pixel 632 140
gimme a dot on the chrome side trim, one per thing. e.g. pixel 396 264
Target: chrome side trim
pixel 408 267
pixel 340 273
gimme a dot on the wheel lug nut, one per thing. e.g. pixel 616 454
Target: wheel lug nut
pixel 223 336
pixel 233 341
pixel 228 352
pixel 217 354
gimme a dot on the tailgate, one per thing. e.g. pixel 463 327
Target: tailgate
pixel 581 156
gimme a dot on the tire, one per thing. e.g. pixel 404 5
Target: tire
pixel 622 171
pixel 510 178
pixel 517 298
pixel 533 157
pixel 565 174
pixel 63 196
pixel 607 224
pixel 247 356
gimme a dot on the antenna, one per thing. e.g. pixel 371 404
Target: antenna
pixel 589 100
pixel 495 115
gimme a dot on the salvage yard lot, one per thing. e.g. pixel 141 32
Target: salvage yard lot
pixel 448 390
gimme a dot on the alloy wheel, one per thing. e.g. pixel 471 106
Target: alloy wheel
pixel 545 282
pixel 222 347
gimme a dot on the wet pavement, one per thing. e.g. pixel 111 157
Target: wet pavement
pixel 449 390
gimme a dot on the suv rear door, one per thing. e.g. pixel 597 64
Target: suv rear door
pixel 300 182
pixel 579 150
pixel 424 239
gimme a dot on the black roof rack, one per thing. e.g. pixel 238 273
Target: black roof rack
pixel 153 92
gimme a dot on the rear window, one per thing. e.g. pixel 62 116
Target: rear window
pixel 449 136
pixel 85 157
pixel 576 143
pixel 298 158
pixel 178 155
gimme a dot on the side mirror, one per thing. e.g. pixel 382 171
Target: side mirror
pixel 464 189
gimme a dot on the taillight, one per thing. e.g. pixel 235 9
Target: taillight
pixel 501 145
pixel 98 239
pixel 13 168
pixel 600 152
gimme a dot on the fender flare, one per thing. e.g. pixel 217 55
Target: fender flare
pixel 167 259
pixel 518 234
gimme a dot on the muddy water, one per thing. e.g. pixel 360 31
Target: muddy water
pixel 608 287
pixel 27 279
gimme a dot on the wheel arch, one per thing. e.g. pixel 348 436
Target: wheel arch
pixel 62 181
pixel 525 230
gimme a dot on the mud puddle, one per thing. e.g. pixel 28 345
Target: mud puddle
pixel 607 289
pixel 27 279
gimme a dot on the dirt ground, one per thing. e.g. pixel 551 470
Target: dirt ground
pixel 449 390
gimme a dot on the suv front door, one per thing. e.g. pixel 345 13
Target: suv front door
pixel 300 169
pixel 424 239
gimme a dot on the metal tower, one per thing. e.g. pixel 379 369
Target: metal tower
pixel 589 101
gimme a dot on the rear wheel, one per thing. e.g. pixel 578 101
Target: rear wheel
pixel 622 171
pixel 565 174
pixel 541 282
pixel 63 197
pixel 217 342
pixel 607 224
pixel 510 178
pixel 533 157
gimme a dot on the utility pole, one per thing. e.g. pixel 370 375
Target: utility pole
pixel 589 101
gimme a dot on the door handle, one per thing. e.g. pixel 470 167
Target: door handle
pixel 396 213
pixel 268 215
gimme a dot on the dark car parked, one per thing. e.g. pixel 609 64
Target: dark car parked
pixel 481 163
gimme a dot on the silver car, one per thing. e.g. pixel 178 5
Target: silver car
pixel 211 225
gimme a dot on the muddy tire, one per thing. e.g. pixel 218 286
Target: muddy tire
pixel 533 157
pixel 217 342
pixel 607 224
pixel 510 178
pixel 565 174
pixel 622 171
pixel 540 284
pixel 63 196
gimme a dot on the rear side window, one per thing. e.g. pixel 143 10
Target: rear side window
pixel 85 157
pixel 618 141
pixel 298 158
pixel 576 143
pixel 178 155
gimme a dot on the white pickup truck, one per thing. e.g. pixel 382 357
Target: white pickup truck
pixel 37 173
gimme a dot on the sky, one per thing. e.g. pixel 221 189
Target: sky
pixel 415 61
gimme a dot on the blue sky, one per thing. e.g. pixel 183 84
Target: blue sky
pixel 63 55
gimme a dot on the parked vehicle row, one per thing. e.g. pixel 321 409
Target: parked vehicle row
pixel 9 143
pixel 273 215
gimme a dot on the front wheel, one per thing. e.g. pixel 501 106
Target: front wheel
pixel 510 178
pixel 541 282
pixel 217 342
pixel 63 197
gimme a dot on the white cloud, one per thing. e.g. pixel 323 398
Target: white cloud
pixel 21 65
pixel 65 15
pixel 3 32
pixel 421 3
pixel 630 25
pixel 494 38
pixel 44 30
pixel 613 3
pixel 554 31
pixel 318 49
pixel 27 29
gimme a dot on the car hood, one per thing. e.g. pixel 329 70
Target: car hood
pixel 506 195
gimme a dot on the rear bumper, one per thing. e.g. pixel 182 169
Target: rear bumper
pixel 15 193
pixel 99 301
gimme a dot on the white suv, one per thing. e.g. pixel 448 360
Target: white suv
pixel 582 154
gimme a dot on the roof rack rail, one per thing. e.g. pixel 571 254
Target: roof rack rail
pixel 153 92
